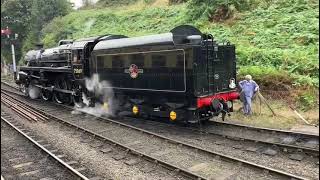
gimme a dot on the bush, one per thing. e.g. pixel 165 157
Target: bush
pixel 307 100
pixel 171 2
pixel 217 10
pixel 267 77
pixel 108 3
pixel 56 30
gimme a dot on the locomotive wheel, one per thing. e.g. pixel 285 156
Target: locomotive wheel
pixel 77 100
pixel 60 97
pixel 46 94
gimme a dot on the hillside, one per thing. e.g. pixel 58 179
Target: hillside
pixel 277 41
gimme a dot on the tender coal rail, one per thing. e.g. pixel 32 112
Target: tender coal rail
pixel 184 146
pixel 34 168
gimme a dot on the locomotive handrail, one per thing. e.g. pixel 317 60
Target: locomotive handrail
pixel 212 63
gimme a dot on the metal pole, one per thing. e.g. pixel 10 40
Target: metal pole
pixel 13 58
pixel 14 62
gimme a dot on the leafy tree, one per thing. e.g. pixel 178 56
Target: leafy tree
pixel 42 12
pixel 16 15
pixel 27 18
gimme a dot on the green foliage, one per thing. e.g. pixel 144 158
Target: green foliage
pixel 276 41
pixel 307 101
pixel 108 3
pixel 267 77
pixel 16 15
pixel 105 21
pixel 210 8
pixel 304 80
pixel 27 18
pixel 148 1
pixel 54 32
pixel 171 2
pixel 42 12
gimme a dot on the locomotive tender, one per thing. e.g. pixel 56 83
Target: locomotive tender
pixel 183 75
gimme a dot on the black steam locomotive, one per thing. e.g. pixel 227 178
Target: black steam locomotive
pixel 183 75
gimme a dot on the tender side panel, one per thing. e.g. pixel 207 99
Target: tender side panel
pixel 163 70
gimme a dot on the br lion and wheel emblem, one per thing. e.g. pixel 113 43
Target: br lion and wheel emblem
pixel 133 71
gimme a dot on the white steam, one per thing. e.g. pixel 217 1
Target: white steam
pixel 34 92
pixel 85 100
pixel 107 105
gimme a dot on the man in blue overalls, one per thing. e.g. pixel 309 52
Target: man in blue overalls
pixel 248 89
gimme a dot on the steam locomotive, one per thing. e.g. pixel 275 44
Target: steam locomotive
pixel 183 75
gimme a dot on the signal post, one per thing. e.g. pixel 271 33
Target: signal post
pixel 7 32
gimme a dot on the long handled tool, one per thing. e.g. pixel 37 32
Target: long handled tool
pixel 298 114
pixel 265 101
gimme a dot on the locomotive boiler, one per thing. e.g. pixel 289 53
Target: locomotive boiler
pixel 183 75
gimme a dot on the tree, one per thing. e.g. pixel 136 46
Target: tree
pixel 27 18
pixel 42 12
pixel 16 15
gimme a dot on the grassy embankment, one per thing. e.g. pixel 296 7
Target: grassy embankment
pixel 277 42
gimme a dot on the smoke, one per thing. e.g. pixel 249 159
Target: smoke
pixel 98 110
pixel 85 100
pixel 105 101
pixel 34 92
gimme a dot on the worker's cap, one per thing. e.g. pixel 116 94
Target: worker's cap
pixel 248 77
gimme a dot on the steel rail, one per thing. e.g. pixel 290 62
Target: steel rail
pixel 25 108
pixel 22 110
pixel 20 113
pixel 199 149
pixel 314 151
pixel 61 162
pixel 261 129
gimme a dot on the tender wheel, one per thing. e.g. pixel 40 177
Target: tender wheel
pixel 60 97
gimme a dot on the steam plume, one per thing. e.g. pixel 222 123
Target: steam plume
pixel 34 92
pixel 102 94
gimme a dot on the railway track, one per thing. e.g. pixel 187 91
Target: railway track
pixel 288 141
pixel 208 153
pixel 185 172
pixel 27 164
